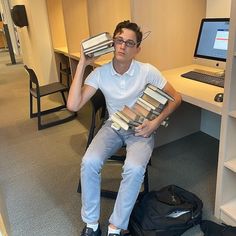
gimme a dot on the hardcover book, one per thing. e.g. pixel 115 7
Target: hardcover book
pixel 96 39
pixel 98 45
pixel 158 106
pixel 129 112
pixel 160 98
pixel 101 52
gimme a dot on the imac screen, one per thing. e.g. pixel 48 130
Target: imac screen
pixel 212 40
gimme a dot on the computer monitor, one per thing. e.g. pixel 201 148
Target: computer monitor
pixel 212 42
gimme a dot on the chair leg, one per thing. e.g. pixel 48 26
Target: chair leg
pixel 79 187
pixel 146 182
pixel 68 79
pixel 31 106
pixel 63 97
pixel 39 113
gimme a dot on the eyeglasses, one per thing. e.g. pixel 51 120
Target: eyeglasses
pixel 128 43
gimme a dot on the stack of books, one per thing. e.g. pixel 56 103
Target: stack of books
pixel 98 45
pixel 148 106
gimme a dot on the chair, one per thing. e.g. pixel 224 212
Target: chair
pixel 38 92
pixel 99 115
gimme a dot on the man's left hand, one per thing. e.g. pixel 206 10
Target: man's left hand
pixel 146 129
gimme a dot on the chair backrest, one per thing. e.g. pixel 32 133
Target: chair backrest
pixel 99 114
pixel 32 76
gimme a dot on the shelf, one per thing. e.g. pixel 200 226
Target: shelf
pixel 228 212
pixel 63 50
pixel 232 114
pixel 231 164
pixel 75 55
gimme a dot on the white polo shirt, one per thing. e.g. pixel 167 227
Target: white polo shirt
pixel 120 90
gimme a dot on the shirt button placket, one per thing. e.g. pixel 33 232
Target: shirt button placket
pixel 122 85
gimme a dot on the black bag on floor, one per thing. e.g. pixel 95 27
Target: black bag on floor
pixel 210 228
pixel 167 212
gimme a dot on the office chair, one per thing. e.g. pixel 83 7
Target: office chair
pixel 99 115
pixel 38 92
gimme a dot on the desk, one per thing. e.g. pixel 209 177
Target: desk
pixel 62 50
pixel 196 96
pixel 193 92
pixel 98 62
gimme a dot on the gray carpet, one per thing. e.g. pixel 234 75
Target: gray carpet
pixel 39 170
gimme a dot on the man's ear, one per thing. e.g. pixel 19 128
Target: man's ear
pixel 138 49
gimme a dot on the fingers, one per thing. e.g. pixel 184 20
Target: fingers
pixel 142 131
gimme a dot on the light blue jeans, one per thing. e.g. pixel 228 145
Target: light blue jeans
pixel 105 143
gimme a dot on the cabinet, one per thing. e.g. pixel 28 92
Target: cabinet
pixel 225 204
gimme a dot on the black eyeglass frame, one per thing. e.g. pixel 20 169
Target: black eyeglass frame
pixel 128 43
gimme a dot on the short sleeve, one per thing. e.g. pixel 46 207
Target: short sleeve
pixel 155 77
pixel 93 79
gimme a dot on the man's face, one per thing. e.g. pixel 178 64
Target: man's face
pixel 125 46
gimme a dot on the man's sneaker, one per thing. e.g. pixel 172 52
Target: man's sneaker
pixel 89 232
pixel 114 234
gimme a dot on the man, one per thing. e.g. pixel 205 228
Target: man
pixel 122 81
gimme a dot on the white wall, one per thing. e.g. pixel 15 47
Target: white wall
pixel 35 40
pixel 210 122
pixel 5 10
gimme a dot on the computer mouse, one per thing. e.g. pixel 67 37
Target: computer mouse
pixel 219 97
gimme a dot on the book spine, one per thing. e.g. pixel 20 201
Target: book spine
pixel 147 103
pixel 131 121
pixel 99 46
pixel 104 51
pixel 163 100
pixel 161 92
pixel 145 106
pixel 96 39
pixel 123 117
pixel 158 106
pixel 119 121
pixel 86 52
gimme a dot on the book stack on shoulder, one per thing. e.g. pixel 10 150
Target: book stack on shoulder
pixel 148 106
pixel 98 45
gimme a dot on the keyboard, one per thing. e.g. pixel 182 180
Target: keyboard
pixel 205 78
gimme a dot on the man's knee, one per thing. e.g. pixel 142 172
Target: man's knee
pixel 134 170
pixel 91 162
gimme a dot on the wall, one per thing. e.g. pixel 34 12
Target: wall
pixel 218 8
pixel 174 27
pixel 104 15
pixel 35 41
pixel 210 122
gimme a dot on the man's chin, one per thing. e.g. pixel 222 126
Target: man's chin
pixel 120 58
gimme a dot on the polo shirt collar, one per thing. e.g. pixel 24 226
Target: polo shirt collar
pixel 129 72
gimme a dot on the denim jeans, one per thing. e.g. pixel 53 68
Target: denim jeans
pixel 104 144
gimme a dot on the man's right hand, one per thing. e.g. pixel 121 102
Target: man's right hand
pixel 86 60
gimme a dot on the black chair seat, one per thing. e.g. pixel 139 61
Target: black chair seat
pixel 49 89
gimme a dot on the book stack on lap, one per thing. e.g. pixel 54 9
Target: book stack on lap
pixel 148 106
pixel 98 45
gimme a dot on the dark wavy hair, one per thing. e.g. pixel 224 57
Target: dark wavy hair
pixel 129 25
